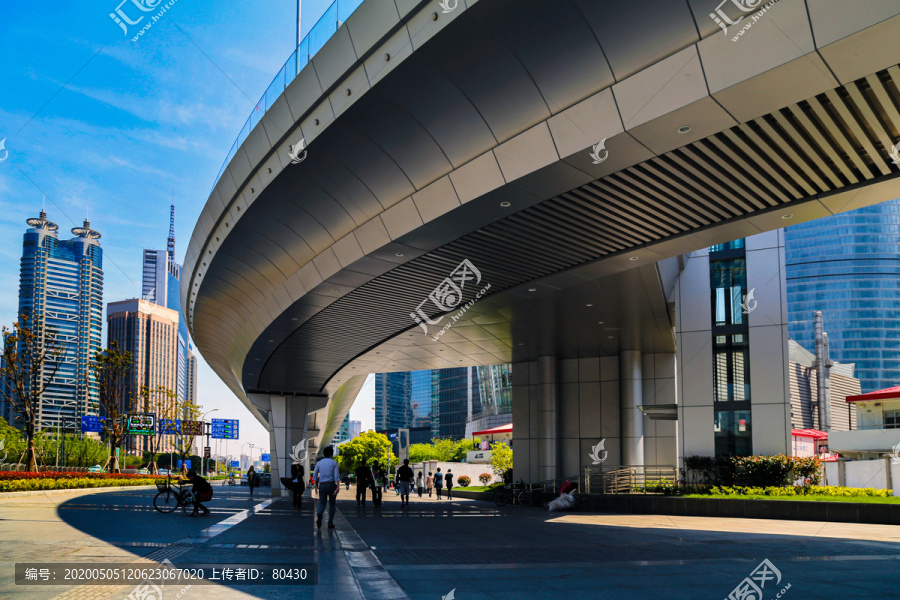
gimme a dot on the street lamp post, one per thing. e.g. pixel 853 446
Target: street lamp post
pixel 203 460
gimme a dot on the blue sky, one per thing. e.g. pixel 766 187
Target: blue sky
pixel 111 127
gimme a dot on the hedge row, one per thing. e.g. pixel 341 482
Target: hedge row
pixel 25 485
pixel 751 471
pixel 821 490
pixel 28 475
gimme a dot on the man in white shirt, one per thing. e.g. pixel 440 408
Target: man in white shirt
pixel 328 479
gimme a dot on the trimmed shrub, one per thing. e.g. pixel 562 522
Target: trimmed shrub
pixel 46 483
pixel 485 478
pixel 464 481
pixel 799 490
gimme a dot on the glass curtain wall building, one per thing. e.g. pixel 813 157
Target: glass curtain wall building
pixel 444 400
pixel 61 290
pixel 731 365
pixel 848 266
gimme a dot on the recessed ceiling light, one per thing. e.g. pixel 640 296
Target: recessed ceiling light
pixel 333 290
pixel 521 343
pixel 588 305
pixel 293 318
pixel 398 254
pixel 611 337
pixel 505 204
pixel 600 322
pixel 271 341
pixel 787 216
pixel 532 289
pixel 635 258
pixel 684 129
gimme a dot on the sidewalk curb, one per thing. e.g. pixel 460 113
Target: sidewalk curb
pixel 371 576
pixel 71 490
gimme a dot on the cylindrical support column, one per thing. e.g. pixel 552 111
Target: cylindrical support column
pixel 287 428
pixel 548 419
pixel 630 397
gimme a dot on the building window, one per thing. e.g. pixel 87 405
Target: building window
pixel 892 419
pixel 731 360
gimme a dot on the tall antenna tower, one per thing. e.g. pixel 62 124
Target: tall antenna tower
pixel 170 244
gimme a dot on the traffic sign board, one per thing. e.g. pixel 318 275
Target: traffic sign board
pixel 265 457
pixel 235 463
pixel 141 423
pixel 91 424
pixel 192 428
pixel 225 429
pixel 206 452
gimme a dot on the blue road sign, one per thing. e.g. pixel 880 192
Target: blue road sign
pixel 235 463
pixel 225 429
pixel 266 458
pixel 179 464
pixel 91 424
pixel 187 463
pixel 168 426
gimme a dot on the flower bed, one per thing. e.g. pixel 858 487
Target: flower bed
pixel 824 490
pixel 20 481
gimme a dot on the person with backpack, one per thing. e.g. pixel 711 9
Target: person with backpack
pixel 377 483
pixel 449 479
pixel 438 482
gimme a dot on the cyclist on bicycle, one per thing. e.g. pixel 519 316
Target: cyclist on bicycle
pixel 202 491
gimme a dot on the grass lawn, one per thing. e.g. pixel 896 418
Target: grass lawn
pixel 480 488
pixel 860 499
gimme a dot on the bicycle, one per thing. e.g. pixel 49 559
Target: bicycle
pixel 170 497
pixel 228 481
pixel 515 493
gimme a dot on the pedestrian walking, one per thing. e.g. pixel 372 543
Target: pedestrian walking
pixel 429 483
pixel 377 483
pixel 328 482
pixel 297 481
pixel 449 479
pixel 252 480
pixel 405 480
pixel 438 482
pixel 420 482
pixel 363 482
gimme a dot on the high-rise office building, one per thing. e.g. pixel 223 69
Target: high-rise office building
pixel 191 377
pixel 161 284
pixel 61 290
pixel 848 267
pixel 445 400
pixel 150 333
pixel 343 432
pixel 355 428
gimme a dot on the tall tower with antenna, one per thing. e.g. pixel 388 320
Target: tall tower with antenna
pixel 170 244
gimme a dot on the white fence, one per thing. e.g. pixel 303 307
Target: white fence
pixel 880 474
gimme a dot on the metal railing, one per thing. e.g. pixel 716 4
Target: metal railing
pixel 327 25
pixel 622 479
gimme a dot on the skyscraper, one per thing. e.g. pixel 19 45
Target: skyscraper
pixel 446 400
pixel 161 285
pixel 61 289
pixel 150 333
pixel 848 267
pixel 343 432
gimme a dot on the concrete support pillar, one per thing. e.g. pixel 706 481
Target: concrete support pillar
pixel 630 397
pixel 548 419
pixel 287 428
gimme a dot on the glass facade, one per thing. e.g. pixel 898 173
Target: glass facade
pixel 444 400
pixel 731 364
pixel 61 287
pixel 848 267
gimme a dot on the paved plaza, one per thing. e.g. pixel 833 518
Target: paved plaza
pixel 433 547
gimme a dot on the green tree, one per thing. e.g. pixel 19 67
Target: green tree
pixel 112 370
pixel 501 459
pixel 366 448
pixel 444 449
pixel 165 404
pixel 421 452
pixel 31 358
